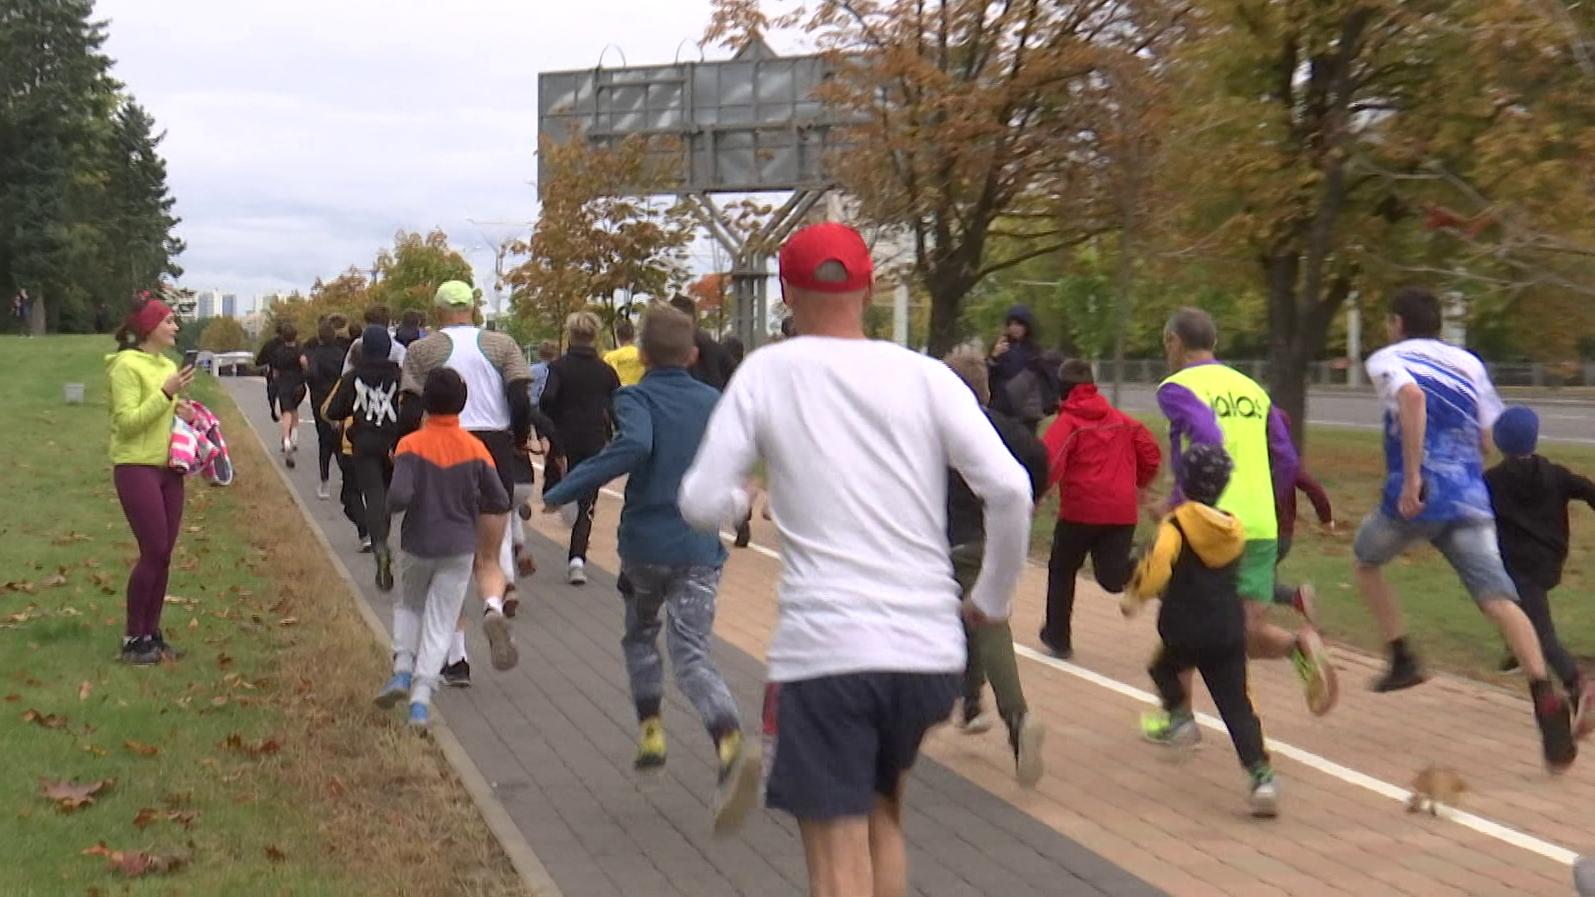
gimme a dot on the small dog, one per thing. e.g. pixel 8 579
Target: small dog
pixel 1433 787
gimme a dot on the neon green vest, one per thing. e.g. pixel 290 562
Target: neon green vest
pixel 1242 408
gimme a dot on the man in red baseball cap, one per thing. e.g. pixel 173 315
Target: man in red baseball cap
pixel 869 648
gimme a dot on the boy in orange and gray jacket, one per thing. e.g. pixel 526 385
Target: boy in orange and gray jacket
pixel 1192 567
pixel 443 479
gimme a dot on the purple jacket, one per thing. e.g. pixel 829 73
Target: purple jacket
pixel 1191 419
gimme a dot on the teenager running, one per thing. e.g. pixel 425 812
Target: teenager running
pixel 624 357
pixel 268 351
pixel 498 411
pixel 324 364
pixel 577 400
pixel 146 393
pixel 288 372
pixel 1439 404
pixel 991 645
pixel 1209 403
pixel 868 648
pixel 670 568
pixel 410 328
pixel 1101 460
pixel 367 400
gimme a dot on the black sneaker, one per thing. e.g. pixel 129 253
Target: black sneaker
pixel 167 651
pixel 1059 648
pixel 141 651
pixel 458 674
pixel 384 570
pixel 1555 719
pixel 1509 664
pixel 365 544
pixel 744 533
pixel 1401 673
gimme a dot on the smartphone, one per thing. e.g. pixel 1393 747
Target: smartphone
pixel 190 358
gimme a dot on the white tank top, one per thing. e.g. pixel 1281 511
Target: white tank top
pixel 486 408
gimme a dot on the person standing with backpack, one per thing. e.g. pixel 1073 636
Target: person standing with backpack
pixel 1022 386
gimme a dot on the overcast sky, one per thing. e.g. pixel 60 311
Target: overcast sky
pixel 301 134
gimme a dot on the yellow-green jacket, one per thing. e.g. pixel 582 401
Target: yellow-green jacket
pixel 141 414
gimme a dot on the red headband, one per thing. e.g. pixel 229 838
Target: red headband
pixel 148 317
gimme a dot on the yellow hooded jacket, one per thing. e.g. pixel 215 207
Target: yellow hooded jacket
pixel 1192 567
pixel 141 413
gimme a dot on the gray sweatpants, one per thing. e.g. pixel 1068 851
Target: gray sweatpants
pixel 687 596
pixel 431 595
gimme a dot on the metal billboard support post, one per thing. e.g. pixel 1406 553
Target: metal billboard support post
pixel 750 253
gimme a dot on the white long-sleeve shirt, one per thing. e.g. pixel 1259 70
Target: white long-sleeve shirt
pixel 857 437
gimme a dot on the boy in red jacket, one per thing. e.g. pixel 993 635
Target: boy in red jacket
pixel 1100 459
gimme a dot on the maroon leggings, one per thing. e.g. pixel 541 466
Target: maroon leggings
pixel 152 499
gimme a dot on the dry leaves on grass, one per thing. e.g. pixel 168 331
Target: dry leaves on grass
pixel 44 720
pixel 236 742
pixel 69 538
pixel 84 690
pixel 275 853
pixel 136 863
pixel 140 748
pixel 149 816
pixel 69 796
pixel 19 585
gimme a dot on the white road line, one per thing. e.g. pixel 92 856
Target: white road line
pixel 1487 827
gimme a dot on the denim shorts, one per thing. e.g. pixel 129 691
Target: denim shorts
pixel 1469 546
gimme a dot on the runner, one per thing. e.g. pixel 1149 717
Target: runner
pixel 146 392
pixel 498 411
pixel 868 647
pixel 366 401
pixel 1210 403
pixel 268 351
pixel 623 358
pixel 376 316
pixel 991 645
pixel 1101 460
pixel 288 369
pixel 669 567
pixel 1438 404
pixel 714 364
pixel 577 400
pixel 325 361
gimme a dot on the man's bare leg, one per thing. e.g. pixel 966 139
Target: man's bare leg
pixel 1376 594
pixel 838 855
pixel 888 846
pixel 1519 634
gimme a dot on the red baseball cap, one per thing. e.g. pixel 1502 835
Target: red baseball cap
pixel 805 251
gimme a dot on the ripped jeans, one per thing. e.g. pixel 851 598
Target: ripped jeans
pixel 687 596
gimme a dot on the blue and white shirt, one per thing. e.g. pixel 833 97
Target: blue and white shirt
pixel 1461 405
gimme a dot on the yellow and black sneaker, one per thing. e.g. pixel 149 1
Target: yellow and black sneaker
pixel 651 746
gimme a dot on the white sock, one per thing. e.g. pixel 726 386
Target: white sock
pixel 457 648
pixel 495 603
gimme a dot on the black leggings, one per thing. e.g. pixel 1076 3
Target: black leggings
pixel 354 505
pixel 327 444
pixel 374 473
pixel 1224 673
pixel 1108 546
pixel 1536 604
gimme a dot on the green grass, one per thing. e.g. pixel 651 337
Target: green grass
pixel 1442 620
pixel 253 607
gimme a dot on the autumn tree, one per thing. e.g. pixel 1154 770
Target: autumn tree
pixel 594 243
pixel 976 126
pixel 223 334
pixel 711 293
pixel 407 275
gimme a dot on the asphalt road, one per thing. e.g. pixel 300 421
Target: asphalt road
pixel 1560 421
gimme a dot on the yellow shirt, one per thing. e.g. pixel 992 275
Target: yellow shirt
pixel 626 363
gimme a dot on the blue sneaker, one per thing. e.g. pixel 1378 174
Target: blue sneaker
pixel 397 689
pixel 418 717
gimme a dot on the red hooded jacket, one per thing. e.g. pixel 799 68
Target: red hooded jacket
pixel 1099 458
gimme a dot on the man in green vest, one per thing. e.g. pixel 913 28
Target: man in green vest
pixel 1212 403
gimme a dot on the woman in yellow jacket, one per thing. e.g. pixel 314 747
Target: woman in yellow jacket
pixel 145 395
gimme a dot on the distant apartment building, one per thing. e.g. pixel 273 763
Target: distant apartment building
pixel 230 305
pixel 205 304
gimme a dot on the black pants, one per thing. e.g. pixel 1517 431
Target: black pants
pixel 354 504
pixel 1536 603
pixel 1283 594
pixel 374 473
pixel 586 506
pixel 327 444
pixel 1223 670
pixel 1108 546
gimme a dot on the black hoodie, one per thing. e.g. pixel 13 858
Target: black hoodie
pixel 368 398
pixel 1023 385
pixel 1531 496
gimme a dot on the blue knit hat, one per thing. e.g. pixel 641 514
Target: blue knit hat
pixel 375 343
pixel 1204 473
pixel 1517 431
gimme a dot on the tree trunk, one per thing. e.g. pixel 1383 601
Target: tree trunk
pixel 1287 367
pixel 36 317
pixel 946 307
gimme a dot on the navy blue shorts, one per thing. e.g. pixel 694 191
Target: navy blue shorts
pixel 835 744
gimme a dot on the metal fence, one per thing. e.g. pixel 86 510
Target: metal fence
pixel 1345 375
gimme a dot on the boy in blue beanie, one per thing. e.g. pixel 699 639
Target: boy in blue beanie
pixel 1531 494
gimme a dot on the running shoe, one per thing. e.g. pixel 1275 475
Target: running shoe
pixel 1026 737
pixel 525 564
pixel 288 454
pixel 457 674
pixel 1264 797
pixel 384 570
pixel 167 651
pixel 141 651
pixel 1170 729
pixel 1555 718
pixel 1059 648
pixel 1401 673
pixel 650 746
pixel 324 491
pixel 1305 602
pixel 419 718
pixel 576 573
pixel 365 544
pixel 974 719
pixel 1318 678
pixel 497 629
pixel 744 533
pixel 397 689
pixel 737 788
pixel 512 601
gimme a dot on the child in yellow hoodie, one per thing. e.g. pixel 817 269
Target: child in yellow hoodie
pixel 1192 566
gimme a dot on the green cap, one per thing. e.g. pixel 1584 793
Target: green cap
pixel 456 294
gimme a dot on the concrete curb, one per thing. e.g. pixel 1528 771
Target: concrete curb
pixel 509 835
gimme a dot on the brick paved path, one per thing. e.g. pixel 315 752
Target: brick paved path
pixel 556 737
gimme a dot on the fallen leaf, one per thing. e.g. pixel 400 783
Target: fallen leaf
pixel 19 586
pixel 85 690
pixel 137 863
pixel 46 720
pixel 224 660
pixel 143 750
pixel 145 817
pixel 12 699
pixel 275 854
pixel 219 701
pixel 69 538
pixel 236 742
pixel 96 750
pixel 55 581
pixel 193 622
pixel 70 796
pixel 288 621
